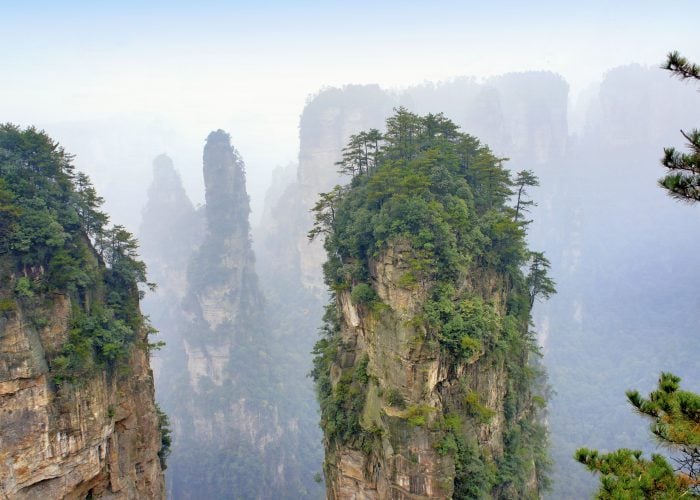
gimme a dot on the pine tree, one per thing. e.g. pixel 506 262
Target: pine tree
pixel 523 180
pixel 324 212
pixel 539 284
pixel 361 154
pixel 675 418
pixel 675 414
pixel 683 178
pixel 676 423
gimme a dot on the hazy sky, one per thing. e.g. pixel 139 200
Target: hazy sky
pixel 248 67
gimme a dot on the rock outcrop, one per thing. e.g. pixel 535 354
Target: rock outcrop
pixel 99 438
pixel 77 412
pixel 423 372
pixel 223 379
pixel 409 460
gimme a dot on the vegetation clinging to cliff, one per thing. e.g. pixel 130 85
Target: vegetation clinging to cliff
pixel 426 186
pixel 54 238
pixel 447 194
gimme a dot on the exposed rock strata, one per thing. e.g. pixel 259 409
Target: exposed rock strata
pixel 98 437
pixel 408 465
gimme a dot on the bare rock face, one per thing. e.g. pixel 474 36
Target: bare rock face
pixel 97 438
pixel 408 464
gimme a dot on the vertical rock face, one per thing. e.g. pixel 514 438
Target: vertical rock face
pixel 222 277
pixel 423 372
pixel 411 460
pixel 227 205
pixel 98 438
pixel 170 230
pixel 213 420
pixel 222 379
pixel 520 115
pixel 414 395
pixel 77 411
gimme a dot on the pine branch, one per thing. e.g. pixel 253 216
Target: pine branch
pixel 680 66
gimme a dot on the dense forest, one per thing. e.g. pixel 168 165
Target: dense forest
pixel 56 239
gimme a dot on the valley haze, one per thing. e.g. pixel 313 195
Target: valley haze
pixel 415 337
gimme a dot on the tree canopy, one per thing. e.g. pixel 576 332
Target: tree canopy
pixel 675 418
pixel 55 239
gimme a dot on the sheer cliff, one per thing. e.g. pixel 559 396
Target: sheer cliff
pixel 496 110
pixel 424 376
pixel 223 378
pixel 171 229
pixel 77 411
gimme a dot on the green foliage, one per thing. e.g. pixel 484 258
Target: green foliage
pixel 525 448
pixel 625 474
pixel 440 189
pixel 7 305
pixel 464 327
pixel 49 214
pixel 447 445
pixel 681 67
pixel 165 437
pixel 394 398
pixel 675 418
pixel 538 283
pixel 441 197
pixel 683 178
pixel 476 409
pixel 9 212
pixel 324 211
pixel 95 341
pixel 475 476
pixel 363 294
pixel 56 239
pixel 361 154
pixel 675 413
pixel 342 404
pixel 23 288
pixel 417 415
pixel 523 180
